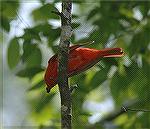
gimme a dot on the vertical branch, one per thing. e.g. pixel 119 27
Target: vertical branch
pixel 65 94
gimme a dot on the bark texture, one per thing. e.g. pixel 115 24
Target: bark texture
pixel 64 89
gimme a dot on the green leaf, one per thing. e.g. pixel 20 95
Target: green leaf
pixel 9 8
pixel 53 35
pixel 30 34
pixel 45 28
pixel 99 37
pixel 140 41
pixel 110 61
pixel 55 48
pixel 13 53
pixel 27 49
pixel 75 25
pixel 118 83
pixel 43 101
pixel 35 58
pixel 32 55
pixel 37 86
pixel 74 16
pixel 144 8
pixel 5 23
pixel 126 12
pixel 29 72
pixel 92 13
pixel 45 13
pixel 99 78
pixel 121 82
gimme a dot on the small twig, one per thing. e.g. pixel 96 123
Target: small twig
pixel 126 109
pixel 118 112
pixel 72 88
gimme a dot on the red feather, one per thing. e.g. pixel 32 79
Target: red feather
pixel 79 60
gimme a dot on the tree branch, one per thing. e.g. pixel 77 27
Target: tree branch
pixel 127 107
pixel 65 94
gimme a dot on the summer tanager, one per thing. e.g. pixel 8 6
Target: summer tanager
pixel 79 60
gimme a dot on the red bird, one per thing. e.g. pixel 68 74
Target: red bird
pixel 79 60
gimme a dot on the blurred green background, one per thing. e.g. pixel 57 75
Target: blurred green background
pixel 30 36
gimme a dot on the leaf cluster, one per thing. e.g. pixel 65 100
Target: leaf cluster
pixel 114 24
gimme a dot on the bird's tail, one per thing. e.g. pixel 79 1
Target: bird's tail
pixel 112 52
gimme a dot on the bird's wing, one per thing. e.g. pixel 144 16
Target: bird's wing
pixel 79 63
pixel 80 45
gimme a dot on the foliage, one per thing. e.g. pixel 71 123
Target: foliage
pixel 115 24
